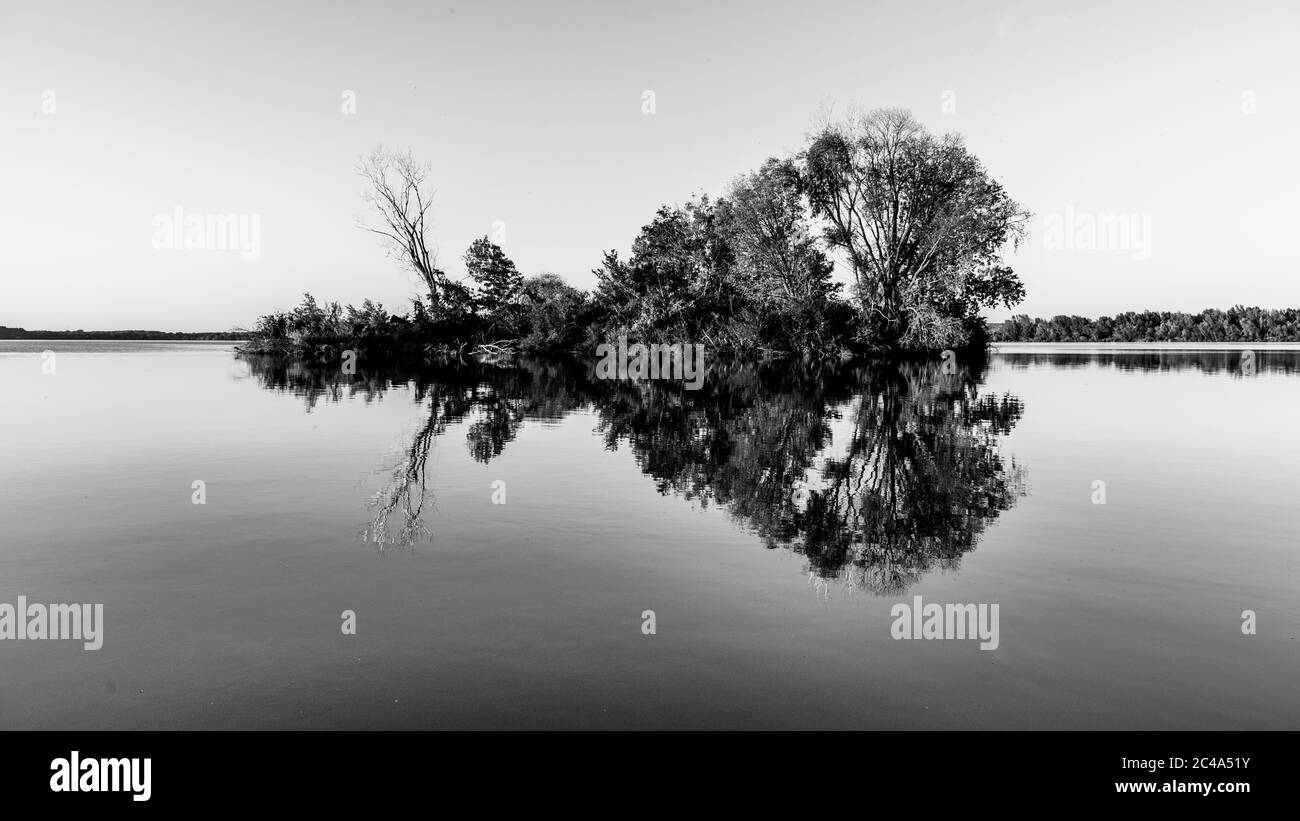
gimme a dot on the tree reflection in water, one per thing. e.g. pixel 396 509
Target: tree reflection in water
pixel 876 473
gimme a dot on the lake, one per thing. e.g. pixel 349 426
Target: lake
pixel 524 545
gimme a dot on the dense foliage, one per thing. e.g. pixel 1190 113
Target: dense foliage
pixel 742 274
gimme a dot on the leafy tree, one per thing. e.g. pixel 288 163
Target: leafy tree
pixel 650 296
pixel 497 287
pixel 921 223
pixel 494 274
pixel 555 314
pixel 766 222
pixel 785 274
pixel 740 274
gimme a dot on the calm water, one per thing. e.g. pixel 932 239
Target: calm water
pixel 770 520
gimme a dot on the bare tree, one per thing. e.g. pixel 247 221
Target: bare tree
pixel 397 192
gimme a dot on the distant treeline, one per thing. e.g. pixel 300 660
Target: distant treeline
pixel 23 333
pixel 1237 324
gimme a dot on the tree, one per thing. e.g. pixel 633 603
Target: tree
pixel 494 273
pixel 768 228
pixel 397 193
pixel 920 221
pixel 554 314
pixel 651 295
pixel 785 275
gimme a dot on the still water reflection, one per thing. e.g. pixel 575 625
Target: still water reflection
pixel 915 482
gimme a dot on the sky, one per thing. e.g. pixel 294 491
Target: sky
pixel 1174 124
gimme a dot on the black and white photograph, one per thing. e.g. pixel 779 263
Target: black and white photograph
pixel 833 379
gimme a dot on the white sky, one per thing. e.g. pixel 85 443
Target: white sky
pixel 530 113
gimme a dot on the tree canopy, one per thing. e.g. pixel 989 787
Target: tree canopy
pixel 921 223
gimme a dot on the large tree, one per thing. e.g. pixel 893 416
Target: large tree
pixel 921 223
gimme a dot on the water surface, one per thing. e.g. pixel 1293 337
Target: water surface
pixel 770 521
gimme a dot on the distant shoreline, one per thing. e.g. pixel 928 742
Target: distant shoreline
pixel 1147 346
pixel 124 336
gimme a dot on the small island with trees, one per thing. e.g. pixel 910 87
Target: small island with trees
pixel 915 217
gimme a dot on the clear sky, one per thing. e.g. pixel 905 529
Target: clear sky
pixel 1186 114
